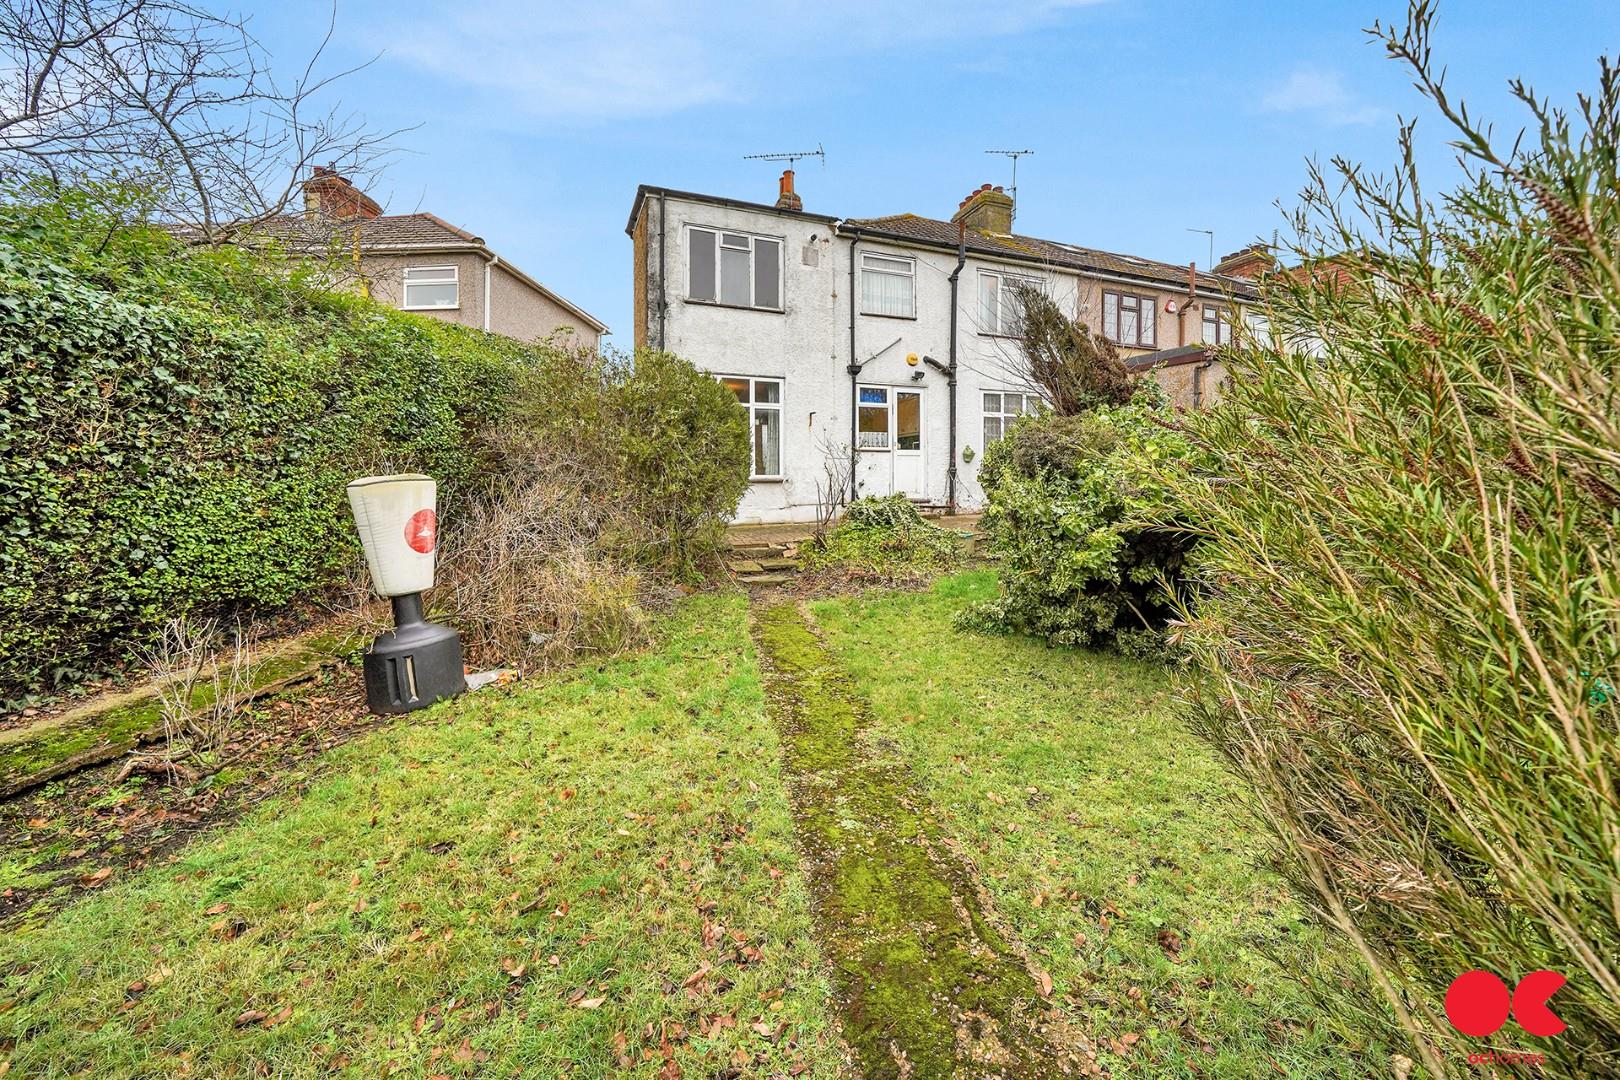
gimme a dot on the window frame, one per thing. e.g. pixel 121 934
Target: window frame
pixel 717 235
pixel 1003 278
pixel 405 284
pixel 1025 396
pixel 1225 324
pixel 909 274
pixel 754 405
pixel 1150 302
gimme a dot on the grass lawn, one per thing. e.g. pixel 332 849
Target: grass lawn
pixel 590 876
pixel 1106 835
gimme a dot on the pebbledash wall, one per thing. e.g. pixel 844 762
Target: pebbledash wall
pixel 806 345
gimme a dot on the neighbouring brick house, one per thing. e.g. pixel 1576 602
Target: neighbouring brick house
pixel 893 339
pixel 422 263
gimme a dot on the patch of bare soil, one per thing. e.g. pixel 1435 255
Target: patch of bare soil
pixel 77 834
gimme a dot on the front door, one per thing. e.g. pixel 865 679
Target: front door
pixel 890 441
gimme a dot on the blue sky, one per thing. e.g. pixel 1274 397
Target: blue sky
pixel 534 122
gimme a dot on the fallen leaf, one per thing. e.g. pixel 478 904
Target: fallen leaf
pixel 1044 981
pixel 589 1003
pixel 250 1016
pixel 218 909
pixel 91 881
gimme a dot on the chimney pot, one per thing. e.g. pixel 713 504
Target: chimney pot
pixel 786 197
pixel 987 209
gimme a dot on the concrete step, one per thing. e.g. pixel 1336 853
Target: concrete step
pixel 756 551
pixel 745 566
pixel 778 564
pixel 763 580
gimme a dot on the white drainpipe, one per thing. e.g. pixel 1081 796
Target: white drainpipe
pixel 489 270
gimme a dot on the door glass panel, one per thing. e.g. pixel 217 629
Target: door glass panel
pixel 907 421
pixel 767 442
pixel 874 395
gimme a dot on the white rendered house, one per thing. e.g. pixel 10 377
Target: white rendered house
pixel 838 333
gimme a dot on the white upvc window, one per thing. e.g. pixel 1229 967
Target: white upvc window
pixel 430 288
pixel 1002 407
pixel 999 310
pixel 733 268
pixel 762 400
pixel 888 285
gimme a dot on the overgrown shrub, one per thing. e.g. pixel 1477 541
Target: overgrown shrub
pixel 612 479
pixel 883 537
pixel 1408 630
pixel 1078 519
pixel 528 581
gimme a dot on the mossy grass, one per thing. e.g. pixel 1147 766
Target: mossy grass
pixel 928 985
pixel 519 882
pixel 1113 843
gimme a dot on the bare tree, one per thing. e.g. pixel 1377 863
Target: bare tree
pixel 174 98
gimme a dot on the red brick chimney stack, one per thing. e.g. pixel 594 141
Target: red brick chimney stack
pixel 329 193
pixel 786 197
pixel 1249 262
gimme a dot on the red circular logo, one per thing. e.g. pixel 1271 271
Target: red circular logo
pixel 1477 1003
pixel 422 531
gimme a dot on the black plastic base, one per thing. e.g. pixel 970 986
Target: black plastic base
pixel 413 665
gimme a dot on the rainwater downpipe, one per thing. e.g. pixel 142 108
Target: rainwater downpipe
pixel 854 373
pixel 663 264
pixel 949 369
pixel 489 270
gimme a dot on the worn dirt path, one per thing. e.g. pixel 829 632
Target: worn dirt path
pixel 928 986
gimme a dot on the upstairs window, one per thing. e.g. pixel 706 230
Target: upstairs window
pixel 1128 320
pixel 1000 313
pixel 888 286
pixel 1002 407
pixel 1217 325
pixel 735 269
pixel 762 400
pixel 430 287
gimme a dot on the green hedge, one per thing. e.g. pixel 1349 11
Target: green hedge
pixel 176 430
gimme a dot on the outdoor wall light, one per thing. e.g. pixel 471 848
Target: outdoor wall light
pixel 418 662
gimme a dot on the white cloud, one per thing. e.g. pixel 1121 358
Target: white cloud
pixel 1321 93
pixel 585 60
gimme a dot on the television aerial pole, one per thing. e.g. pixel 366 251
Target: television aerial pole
pixel 1211 234
pixel 791 156
pixel 1015 155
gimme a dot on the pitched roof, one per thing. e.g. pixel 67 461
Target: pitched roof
pixel 401 233
pixel 389 230
pixel 915 229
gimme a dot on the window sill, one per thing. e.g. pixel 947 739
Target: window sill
pixel 434 307
pixel 766 480
pixel 876 315
pixel 736 307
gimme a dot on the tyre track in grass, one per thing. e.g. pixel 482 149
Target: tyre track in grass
pixel 928 987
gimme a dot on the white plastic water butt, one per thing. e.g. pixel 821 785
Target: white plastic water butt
pixel 399 527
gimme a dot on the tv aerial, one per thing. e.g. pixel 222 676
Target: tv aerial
pixel 791 156
pixel 1013 190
